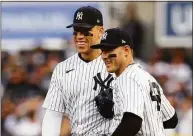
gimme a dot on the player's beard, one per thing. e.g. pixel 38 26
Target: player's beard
pixel 83 48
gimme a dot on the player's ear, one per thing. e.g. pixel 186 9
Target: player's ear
pixel 101 31
pixel 127 49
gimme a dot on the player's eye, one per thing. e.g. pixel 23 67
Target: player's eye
pixel 84 31
pixel 88 34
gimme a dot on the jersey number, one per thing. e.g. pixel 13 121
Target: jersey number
pixel 155 94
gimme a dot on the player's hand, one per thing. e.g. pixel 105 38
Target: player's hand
pixel 104 103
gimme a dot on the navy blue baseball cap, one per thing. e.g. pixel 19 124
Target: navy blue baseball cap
pixel 87 17
pixel 113 38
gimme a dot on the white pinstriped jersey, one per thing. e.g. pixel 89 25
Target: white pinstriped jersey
pixel 136 91
pixel 72 91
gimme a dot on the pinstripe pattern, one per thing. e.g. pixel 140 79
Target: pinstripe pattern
pixel 132 94
pixel 73 94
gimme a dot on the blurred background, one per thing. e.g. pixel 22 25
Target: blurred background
pixel 34 40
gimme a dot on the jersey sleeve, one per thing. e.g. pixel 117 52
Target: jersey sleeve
pixel 132 97
pixel 167 109
pixel 54 99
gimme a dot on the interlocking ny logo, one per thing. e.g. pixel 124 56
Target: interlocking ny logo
pixel 104 36
pixel 79 16
pixel 104 84
pixel 123 41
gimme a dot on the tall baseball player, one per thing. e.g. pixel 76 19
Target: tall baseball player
pixel 140 109
pixel 77 83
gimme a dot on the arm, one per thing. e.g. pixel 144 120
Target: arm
pixel 172 122
pixel 54 104
pixel 55 99
pixel 51 123
pixel 132 105
pixel 129 126
pixel 65 128
pixel 170 119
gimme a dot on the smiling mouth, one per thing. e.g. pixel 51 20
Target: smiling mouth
pixel 107 63
pixel 81 43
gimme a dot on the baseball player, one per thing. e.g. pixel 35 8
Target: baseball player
pixel 140 108
pixel 77 82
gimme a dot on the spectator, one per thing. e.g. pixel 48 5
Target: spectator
pixel 159 68
pixel 18 88
pixel 185 124
pixel 135 28
pixel 38 56
pixel 24 120
pixel 180 70
pixel 179 76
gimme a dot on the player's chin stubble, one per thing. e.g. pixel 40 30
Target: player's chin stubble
pixel 110 69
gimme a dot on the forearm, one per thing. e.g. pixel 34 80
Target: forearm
pixel 51 123
pixel 129 126
pixel 171 123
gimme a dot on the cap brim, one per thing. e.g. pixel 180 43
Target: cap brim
pixel 104 46
pixel 84 25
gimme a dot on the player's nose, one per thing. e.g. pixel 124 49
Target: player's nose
pixel 104 54
pixel 79 35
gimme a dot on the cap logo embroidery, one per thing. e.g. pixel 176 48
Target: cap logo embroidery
pixel 104 36
pixel 79 16
pixel 98 21
pixel 123 41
